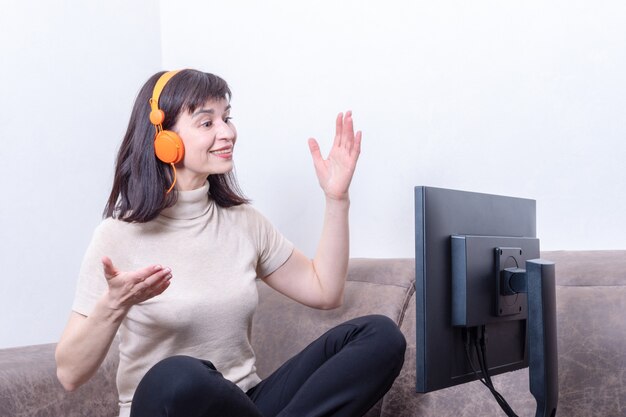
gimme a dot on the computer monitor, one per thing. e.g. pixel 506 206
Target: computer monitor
pixel 465 244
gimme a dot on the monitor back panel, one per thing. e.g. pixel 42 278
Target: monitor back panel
pixel 439 214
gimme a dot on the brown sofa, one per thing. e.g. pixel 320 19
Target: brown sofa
pixel 591 319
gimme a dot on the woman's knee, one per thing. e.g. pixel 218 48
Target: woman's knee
pixel 180 367
pixel 389 338
pixel 178 380
pixel 182 386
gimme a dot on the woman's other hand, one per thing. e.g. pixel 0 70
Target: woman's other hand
pixel 129 288
pixel 335 172
pixel 86 339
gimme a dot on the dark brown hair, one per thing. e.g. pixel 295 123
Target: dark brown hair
pixel 141 180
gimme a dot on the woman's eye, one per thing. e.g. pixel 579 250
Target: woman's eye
pixel 227 119
pixel 208 123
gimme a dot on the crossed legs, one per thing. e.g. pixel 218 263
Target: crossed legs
pixel 341 374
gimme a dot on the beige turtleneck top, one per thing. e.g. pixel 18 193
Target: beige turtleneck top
pixel 215 255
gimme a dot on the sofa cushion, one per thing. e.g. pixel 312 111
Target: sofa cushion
pixel 29 386
pixel 283 327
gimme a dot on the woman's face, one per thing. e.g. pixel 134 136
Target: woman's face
pixel 209 138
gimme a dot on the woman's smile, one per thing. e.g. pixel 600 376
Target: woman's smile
pixel 224 153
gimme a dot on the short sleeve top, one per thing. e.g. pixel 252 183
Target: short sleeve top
pixel 215 255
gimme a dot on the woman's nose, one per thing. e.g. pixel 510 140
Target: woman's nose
pixel 226 132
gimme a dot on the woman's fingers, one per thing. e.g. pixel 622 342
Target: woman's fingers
pixel 318 159
pixel 162 286
pixel 338 130
pixel 349 141
pixel 137 286
pixel 149 286
pixel 158 277
pixel 348 131
pixel 109 270
pixel 356 149
pixel 344 131
pixel 314 147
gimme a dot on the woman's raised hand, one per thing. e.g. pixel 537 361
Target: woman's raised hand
pixel 335 172
pixel 129 288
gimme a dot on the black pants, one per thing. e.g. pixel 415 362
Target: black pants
pixel 341 374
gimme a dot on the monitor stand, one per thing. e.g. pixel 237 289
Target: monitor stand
pixel 543 356
pixel 538 281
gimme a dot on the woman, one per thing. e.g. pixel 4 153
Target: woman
pixel 172 268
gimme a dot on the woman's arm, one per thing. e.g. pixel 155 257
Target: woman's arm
pixel 320 282
pixel 86 339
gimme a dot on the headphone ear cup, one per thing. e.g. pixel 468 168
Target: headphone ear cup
pixel 168 147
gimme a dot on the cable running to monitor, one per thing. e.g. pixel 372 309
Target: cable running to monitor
pixel 481 354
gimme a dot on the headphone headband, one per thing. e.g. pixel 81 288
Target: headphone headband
pixel 156 115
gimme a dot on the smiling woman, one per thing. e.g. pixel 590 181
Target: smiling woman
pixel 173 268
pixel 140 178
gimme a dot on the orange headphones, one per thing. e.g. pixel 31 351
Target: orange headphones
pixel 168 146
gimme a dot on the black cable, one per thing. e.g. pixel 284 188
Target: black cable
pixel 483 361
pixel 494 392
pixel 467 339
pixel 482 356
pixel 488 382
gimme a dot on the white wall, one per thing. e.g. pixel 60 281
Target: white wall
pixel 448 94
pixel 522 98
pixel 70 71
